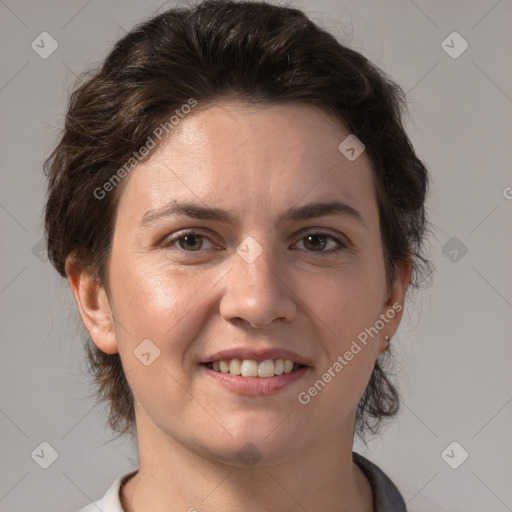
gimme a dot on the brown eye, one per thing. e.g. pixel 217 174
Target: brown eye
pixel 190 242
pixel 315 242
pixel 322 243
pixel 187 242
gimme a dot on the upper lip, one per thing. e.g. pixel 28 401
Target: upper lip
pixel 256 355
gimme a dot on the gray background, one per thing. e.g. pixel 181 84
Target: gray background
pixel 453 347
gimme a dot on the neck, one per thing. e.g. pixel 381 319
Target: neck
pixel 173 477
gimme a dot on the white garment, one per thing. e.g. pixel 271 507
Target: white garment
pixel 111 501
pixel 386 497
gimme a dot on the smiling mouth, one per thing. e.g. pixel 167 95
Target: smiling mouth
pixel 251 368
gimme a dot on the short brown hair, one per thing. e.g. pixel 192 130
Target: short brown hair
pixel 221 50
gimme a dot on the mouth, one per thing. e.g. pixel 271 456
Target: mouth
pixel 251 368
pixel 253 377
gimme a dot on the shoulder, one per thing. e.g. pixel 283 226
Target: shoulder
pixel 386 496
pixel 111 501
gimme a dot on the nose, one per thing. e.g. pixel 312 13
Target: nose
pixel 256 294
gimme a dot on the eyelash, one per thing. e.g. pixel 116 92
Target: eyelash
pixel 341 246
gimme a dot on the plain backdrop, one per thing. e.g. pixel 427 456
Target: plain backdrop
pixel 454 345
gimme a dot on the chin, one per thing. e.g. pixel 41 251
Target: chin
pixel 263 443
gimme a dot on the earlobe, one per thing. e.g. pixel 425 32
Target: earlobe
pixel 384 344
pixel 93 305
pixel 394 305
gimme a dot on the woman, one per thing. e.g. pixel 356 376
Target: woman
pixel 240 214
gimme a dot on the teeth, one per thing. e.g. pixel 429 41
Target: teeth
pixel 235 367
pixel 288 366
pixel 266 369
pixel 251 368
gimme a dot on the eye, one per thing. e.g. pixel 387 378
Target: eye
pixel 317 242
pixel 189 242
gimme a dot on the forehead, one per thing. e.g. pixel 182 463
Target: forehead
pixel 244 157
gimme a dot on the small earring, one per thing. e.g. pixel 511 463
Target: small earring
pixel 386 337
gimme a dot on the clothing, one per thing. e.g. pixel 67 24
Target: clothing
pixel 386 497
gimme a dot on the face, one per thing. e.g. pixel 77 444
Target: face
pixel 248 235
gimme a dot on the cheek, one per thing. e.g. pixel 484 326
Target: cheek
pixel 348 305
pixel 349 300
pixel 159 312
pixel 156 301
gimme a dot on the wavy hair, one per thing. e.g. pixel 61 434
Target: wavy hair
pixel 221 50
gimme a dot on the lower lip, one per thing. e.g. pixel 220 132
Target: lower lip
pixel 256 385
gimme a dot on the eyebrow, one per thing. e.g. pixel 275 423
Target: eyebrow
pixel 295 213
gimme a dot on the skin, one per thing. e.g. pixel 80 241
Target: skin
pixel 255 162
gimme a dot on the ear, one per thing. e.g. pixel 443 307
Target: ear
pixel 393 307
pixel 92 302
